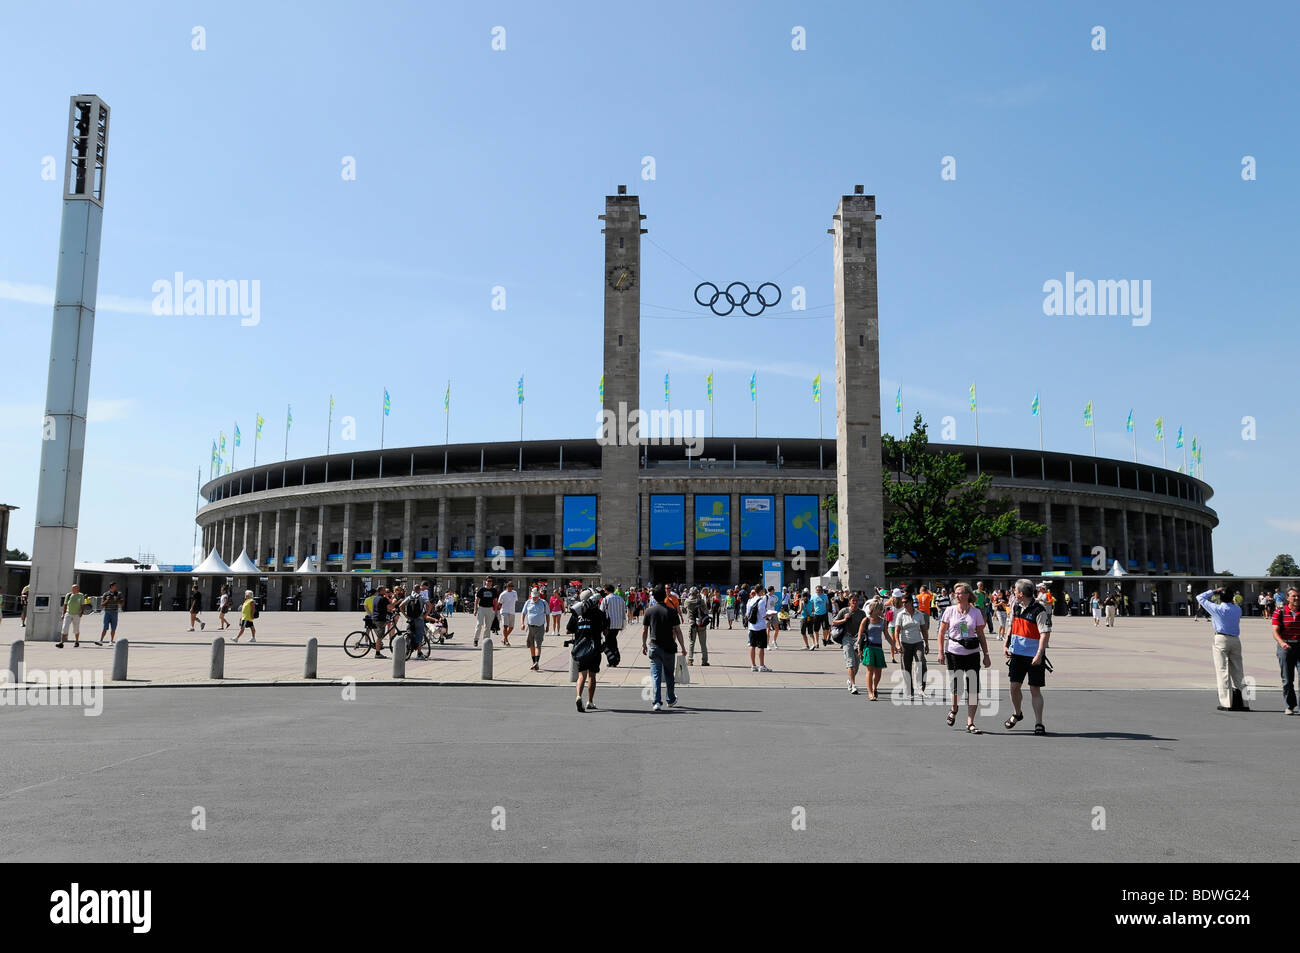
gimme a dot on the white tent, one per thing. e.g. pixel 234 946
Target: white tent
pixel 1115 570
pixel 212 566
pixel 243 566
pixel 308 565
pixel 831 580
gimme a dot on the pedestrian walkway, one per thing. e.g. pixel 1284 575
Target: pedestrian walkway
pixel 1137 654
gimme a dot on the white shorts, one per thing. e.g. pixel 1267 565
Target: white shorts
pixel 71 620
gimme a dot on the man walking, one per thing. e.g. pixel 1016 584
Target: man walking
pixel 535 615
pixel 196 606
pixel 1226 616
pixel 697 613
pixel 587 624
pixel 665 625
pixel 485 608
pixel 22 604
pixel 756 622
pixel 507 602
pixel 1026 652
pixel 615 608
pixel 110 602
pixel 1286 632
pixel 74 605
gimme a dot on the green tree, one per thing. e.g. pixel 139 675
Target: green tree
pixel 831 505
pixel 16 554
pixel 1283 565
pixel 933 513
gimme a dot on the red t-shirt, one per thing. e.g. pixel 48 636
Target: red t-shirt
pixel 1288 622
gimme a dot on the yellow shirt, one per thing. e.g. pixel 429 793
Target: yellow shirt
pixel 246 613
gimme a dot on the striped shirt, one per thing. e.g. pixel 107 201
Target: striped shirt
pixel 1289 624
pixel 615 609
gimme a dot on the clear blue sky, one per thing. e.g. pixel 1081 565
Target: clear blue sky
pixel 477 168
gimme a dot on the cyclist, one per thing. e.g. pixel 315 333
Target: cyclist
pixel 379 613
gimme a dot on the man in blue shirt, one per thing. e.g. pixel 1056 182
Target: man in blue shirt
pixel 821 606
pixel 1226 616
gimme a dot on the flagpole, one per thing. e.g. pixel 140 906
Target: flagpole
pixel 976 409
pixel 1040 427
pixel 1135 445
pixel 286 431
pixel 257 435
pixel 756 413
pixel 329 426
pixel 383 419
pixel 234 446
pixel 197 475
pixel 446 413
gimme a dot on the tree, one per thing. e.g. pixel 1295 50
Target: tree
pixel 832 505
pixel 934 514
pixel 1283 565
pixel 16 554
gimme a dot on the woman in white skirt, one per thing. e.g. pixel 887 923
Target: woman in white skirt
pixel 1096 609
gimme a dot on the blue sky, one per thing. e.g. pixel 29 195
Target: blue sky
pixel 477 168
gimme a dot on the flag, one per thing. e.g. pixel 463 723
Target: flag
pixel 972 395
pixel 519 390
pixel 289 422
pixel 236 434
pixel 446 397
pixel 331 403
pixel 223 443
pixel 898 400
pixel 709 386
pixel 665 388
pixel 1193 448
pixel 1087 414
pixel 600 389
pixel 817 389
pixel 214 451
pixel 1179 444
pixel 753 386
pixel 388 402
pixel 1160 429
pixel 1129 426
pixel 260 420
pixel 1033 408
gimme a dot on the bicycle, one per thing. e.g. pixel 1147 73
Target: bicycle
pixel 358 644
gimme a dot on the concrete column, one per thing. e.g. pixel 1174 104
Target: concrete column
pixel 778 507
pixel 260 556
pixel 221 538
pixel 1049 539
pixel 1016 551
pixel 857 390
pixel 376 544
pixel 735 537
pixel 1076 556
pixel 297 539
pixel 559 536
pixel 1161 558
pixel 519 535
pixel 408 545
pixel 480 533
pixel 320 538
pixel 1144 553
pixel 442 534
pixel 643 544
pixel 688 546
pixel 1124 538
pixel 347 537
pixel 277 541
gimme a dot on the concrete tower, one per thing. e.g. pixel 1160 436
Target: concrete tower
pixel 857 392
pixel 620 459
pixel 58 498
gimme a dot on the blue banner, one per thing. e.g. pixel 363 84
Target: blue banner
pixel 667 521
pixel 801 525
pixel 833 528
pixel 713 523
pixel 758 523
pixel 579 523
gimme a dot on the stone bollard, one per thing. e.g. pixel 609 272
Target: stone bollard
pixel 398 649
pixel 218 667
pixel 682 673
pixel 485 672
pixel 573 668
pixel 16 673
pixel 119 660
pixel 309 670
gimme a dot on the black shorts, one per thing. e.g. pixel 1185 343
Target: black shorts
pixel 1019 665
pixel 758 638
pixel 821 623
pixel 591 664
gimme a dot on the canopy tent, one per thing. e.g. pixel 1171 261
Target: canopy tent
pixel 212 566
pixel 308 565
pixel 831 579
pixel 243 566
pixel 1116 570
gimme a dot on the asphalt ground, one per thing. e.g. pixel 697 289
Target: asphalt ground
pixel 498 773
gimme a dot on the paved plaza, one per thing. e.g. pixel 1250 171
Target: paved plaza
pixel 1139 653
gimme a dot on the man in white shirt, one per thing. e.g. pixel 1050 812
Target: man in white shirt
pixel 756 621
pixel 508 599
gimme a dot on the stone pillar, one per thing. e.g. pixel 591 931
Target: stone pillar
pixel 519 535
pixel 643 543
pixel 480 533
pixel 620 460
pixel 277 541
pixel 347 537
pixel 260 556
pixel 408 545
pixel 735 537
pixel 320 537
pixel 1049 539
pixel 778 506
pixel 857 391
pixel 1077 555
pixel 376 544
pixel 1145 542
pixel 559 536
pixel 1161 559
pixel 297 537
pixel 688 545
pixel 1124 538
pixel 442 534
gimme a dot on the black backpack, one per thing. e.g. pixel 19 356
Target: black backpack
pixel 413 606
pixel 752 616
pixel 586 638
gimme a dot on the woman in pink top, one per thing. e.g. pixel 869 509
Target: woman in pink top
pixel 557 609
pixel 961 639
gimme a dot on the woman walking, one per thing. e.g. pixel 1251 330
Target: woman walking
pixel 961 641
pixel 246 613
pixel 1095 604
pixel 196 606
pixel 557 610
pixel 223 606
pixel 907 631
pixel 871 634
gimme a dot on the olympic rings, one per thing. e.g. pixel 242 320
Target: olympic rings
pixel 731 299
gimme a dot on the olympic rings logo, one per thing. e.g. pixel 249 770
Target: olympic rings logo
pixel 733 301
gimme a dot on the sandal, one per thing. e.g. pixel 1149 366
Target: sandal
pixel 1011 722
pixel 952 717
pixel 1039 729
pixel 971 729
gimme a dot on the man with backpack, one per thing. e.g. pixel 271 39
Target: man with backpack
pixel 413 609
pixel 587 626
pixel 663 622
pixel 756 622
